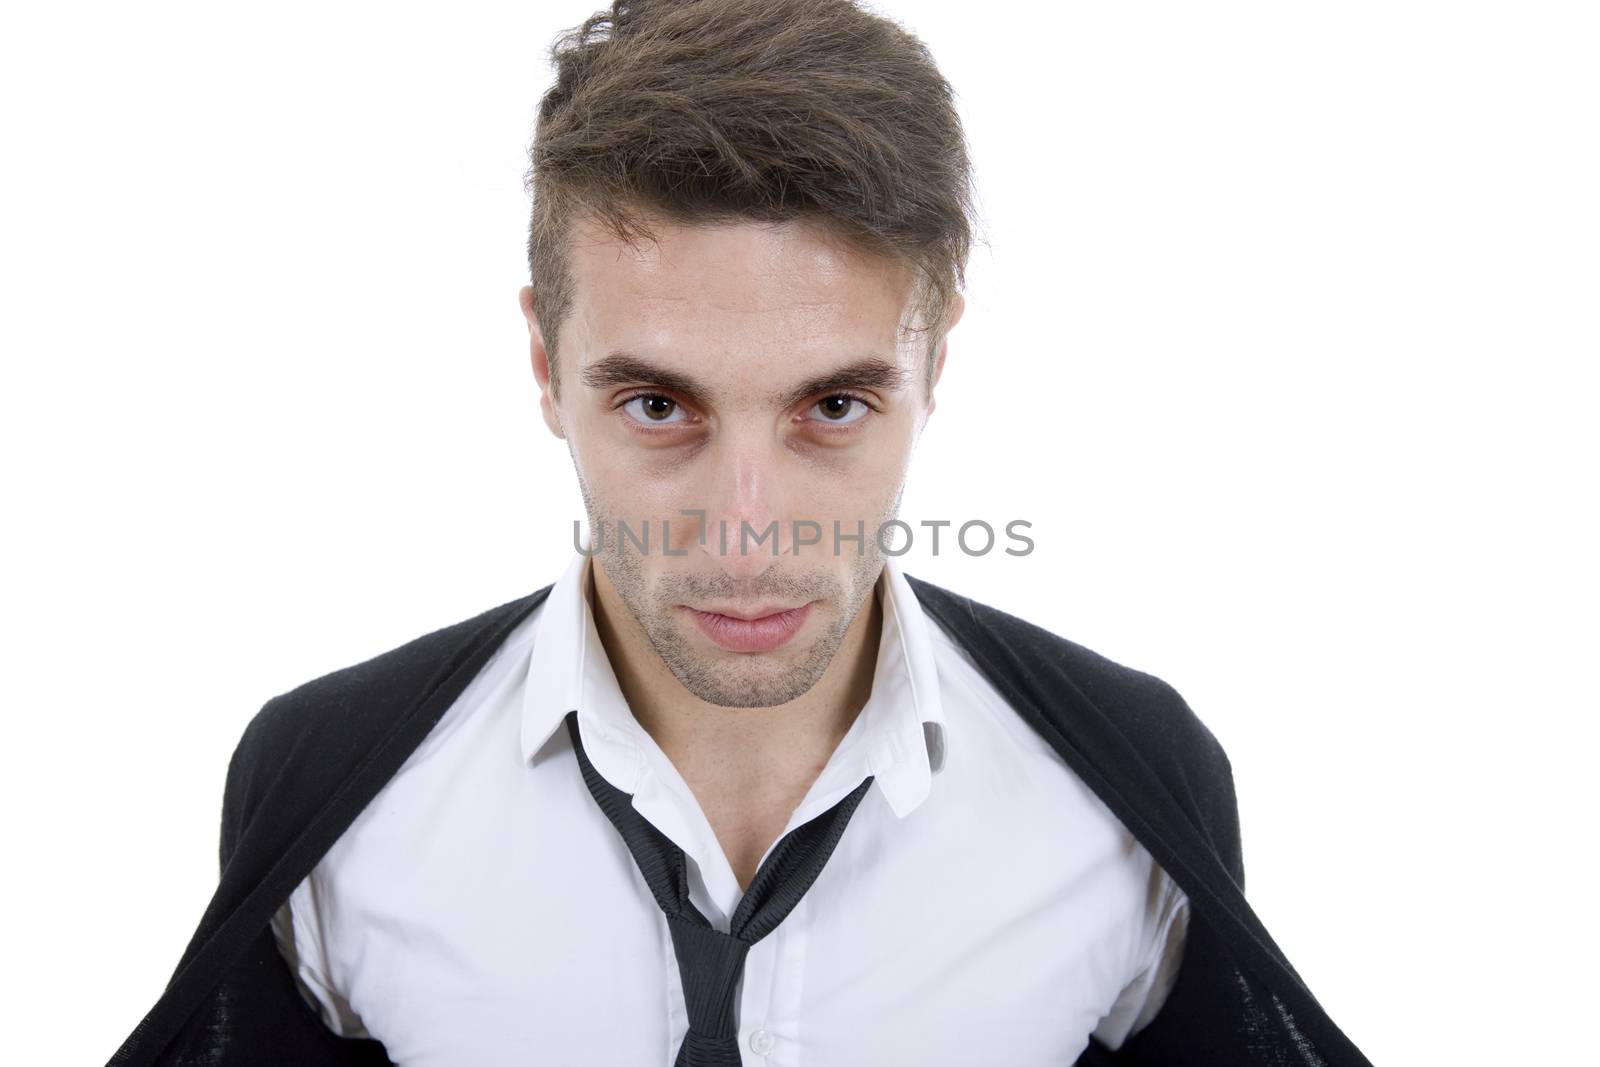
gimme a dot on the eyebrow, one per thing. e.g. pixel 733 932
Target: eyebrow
pixel 626 368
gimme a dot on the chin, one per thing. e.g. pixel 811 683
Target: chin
pixel 752 680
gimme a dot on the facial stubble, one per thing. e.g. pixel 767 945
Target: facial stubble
pixel 735 680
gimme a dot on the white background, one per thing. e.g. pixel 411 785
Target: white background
pixel 1283 337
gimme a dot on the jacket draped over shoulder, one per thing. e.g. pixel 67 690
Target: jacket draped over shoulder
pixel 311 760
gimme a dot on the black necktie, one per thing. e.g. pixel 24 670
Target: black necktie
pixel 710 961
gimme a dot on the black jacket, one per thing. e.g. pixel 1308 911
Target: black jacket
pixel 312 759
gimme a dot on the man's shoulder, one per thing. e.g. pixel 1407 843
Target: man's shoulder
pixel 321 729
pixel 382 685
pixel 1105 716
pixel 1029 654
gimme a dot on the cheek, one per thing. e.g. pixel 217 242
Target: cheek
pixel 857 483
pixel 609 459
pixel 642 491
pixel 630 493
pixel 881 460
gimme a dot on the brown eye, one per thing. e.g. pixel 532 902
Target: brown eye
pixel 652 408
pixel 840 409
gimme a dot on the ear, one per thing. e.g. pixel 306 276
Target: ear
pixel 541 362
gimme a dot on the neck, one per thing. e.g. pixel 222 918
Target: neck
pixel 746 750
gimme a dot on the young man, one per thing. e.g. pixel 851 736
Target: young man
pixel 735 789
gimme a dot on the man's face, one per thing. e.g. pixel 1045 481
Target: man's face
pixel 759 373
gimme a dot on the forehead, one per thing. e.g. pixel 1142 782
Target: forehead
pixel 757 295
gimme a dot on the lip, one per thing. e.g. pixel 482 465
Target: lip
pixel 761 633
pixel 747 614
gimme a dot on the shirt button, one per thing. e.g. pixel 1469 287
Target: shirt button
pixel 762 1041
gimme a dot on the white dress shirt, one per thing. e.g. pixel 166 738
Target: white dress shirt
pixel 482 910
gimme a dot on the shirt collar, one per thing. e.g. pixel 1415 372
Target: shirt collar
pixel 899 735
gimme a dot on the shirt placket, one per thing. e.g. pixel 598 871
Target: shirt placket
pixel 769 1007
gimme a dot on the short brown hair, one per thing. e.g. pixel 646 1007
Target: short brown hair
pixel 702 111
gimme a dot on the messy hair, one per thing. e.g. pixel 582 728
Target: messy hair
pixel 705 111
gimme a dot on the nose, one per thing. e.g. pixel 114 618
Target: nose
pixel 745 525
